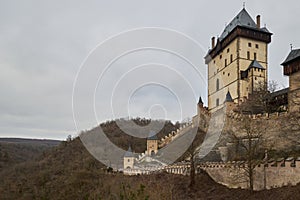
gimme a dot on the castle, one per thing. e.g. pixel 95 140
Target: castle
pixel 238 61
pixel 237 65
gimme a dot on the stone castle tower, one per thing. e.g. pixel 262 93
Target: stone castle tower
pixel 152 144
pixel 237 61
pixel 291 68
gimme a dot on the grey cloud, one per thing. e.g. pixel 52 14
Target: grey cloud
pixel 43 43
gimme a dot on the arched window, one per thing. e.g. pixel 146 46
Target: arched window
pixel 218 84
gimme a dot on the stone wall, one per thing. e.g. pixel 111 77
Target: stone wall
pixel 278 129
pixel 232 174
pixel 265 176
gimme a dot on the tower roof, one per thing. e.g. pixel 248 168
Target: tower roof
pixel 242 25
pixel 294 54
pixel 152 136
pixel 255 64
pixel 228 97
pixel 242 19
pixel 200 100
pixel 129 153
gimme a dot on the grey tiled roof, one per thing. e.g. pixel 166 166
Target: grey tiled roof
pixel 152 136
pixel 280 92
pixel 242 19
pixel 129 153
pixel 228 97
pixel 292 56
pixel 255 64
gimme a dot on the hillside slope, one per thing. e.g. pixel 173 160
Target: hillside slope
pixel 68 171
pixel 17 150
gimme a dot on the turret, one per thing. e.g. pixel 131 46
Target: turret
pixel 229 103
pixel 128 159
pixel 152 144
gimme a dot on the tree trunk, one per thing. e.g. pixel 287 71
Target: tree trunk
pixel 251 178
pixel 192 172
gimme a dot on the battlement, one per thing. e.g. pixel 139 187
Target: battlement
pixel 175 134
pixel 235 115
pixel 268 174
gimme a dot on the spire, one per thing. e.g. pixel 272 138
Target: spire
pixel 200 101
pixel 129 152
pixel 228 97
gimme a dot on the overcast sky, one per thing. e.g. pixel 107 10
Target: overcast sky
pixel 44 43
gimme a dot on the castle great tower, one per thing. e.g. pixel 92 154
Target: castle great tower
pixel 238 60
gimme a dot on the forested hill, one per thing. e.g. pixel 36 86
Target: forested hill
pixel 68 171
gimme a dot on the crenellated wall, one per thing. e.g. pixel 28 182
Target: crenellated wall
pixel 232 174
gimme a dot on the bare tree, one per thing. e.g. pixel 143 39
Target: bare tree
pixel 259 100
pixel 249 145
pixel 192 154
pixel 292 127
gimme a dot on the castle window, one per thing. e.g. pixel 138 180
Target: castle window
pixel 228 50
pixel 231 58
pixel 223 73
pixel 228 74
pixel 248 55
pixel 220 56
pixel 254 56
pixel 256 46
pixel 249 44
pixel 214 62
pixel 217 102
pixel 218 84
pixel 225 62
pixel 128 160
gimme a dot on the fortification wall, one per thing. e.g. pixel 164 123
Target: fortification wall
pixel 265 176
pixel 233 174
pixel 278 130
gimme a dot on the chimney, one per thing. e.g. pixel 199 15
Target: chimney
pixel 258 21
pixel 213 42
